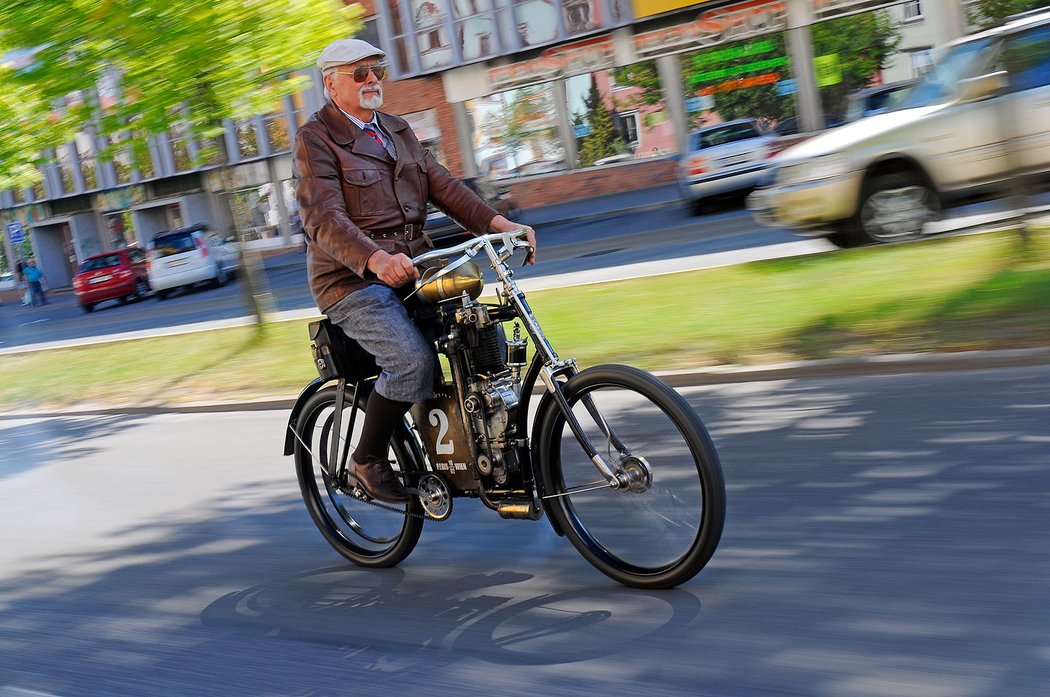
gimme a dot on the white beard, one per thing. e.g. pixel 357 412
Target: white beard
pixel 373 98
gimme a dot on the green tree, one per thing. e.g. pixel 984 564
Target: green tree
pixel 987 13
pixel 604 139
pixel 179 67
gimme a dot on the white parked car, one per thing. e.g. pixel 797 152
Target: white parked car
pixel 724 159
pixel 188 256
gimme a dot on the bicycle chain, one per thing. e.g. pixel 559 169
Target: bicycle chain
pixel 358 494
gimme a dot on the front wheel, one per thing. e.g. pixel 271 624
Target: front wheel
pixel 894 208
pixel 364 533
pixel 661 534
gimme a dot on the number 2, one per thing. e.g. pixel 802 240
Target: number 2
pixel 438 418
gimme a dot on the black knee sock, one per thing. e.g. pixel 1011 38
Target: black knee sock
pixel 381 418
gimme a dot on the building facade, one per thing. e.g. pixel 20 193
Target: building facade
pixel 497 88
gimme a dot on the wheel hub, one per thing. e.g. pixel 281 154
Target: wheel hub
pixel 635 474
pixel 435 496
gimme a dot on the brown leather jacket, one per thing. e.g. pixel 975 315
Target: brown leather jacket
pixel 354 198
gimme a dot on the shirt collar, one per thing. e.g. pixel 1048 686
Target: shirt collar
pixel 374 123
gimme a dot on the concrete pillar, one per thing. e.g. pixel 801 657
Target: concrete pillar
pixel 565 129
pixel 670 71
pixel 465 138
pixel 808 109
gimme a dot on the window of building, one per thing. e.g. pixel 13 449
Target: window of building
pixel 247 140
pixel 475 28
pixel 627 124
pixel 912 10
pixel 88 162
pixel 516 132
pixel 919 61
pixel 64 160
pixel 277 132
pixel 430 19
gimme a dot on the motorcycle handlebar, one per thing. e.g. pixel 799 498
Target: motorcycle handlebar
pixel 511 241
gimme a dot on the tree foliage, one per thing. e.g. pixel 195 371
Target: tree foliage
pixel 161 65
pixel 987 13
pixel 604 140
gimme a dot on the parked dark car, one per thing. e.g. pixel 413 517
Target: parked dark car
pixel 120 275
pixel 878 99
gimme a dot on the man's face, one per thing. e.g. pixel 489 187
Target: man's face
pixel 353 96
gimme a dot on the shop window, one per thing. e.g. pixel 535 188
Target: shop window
pixel 516 133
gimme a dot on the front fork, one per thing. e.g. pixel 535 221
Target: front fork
pixel 631 473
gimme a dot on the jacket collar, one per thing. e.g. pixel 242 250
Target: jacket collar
pixel 345 132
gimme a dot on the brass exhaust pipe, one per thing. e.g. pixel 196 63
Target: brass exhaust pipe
pixel 521 509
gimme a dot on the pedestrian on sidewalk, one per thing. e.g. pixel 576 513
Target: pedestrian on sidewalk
pixel 35 279
pixel 20 282
pixel 362 186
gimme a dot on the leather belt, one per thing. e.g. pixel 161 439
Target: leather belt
pixel 407 232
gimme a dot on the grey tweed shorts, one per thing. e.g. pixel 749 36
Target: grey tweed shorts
pixel 376 317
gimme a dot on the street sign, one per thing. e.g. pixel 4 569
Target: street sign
pixel 786 87
pixel 14 231
pixel 582 130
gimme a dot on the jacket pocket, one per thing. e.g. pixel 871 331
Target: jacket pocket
pixel 366 192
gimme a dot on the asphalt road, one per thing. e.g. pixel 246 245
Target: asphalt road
pixel 885 537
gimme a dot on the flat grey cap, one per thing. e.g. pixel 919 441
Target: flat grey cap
pixel 344 51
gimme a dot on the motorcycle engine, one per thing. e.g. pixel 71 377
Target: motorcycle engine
pixel 493 389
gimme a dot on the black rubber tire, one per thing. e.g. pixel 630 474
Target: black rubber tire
pixel 161 294
pixel 657 561
pixel 221 276
pixel 400 532
pixel 866 227
pixel 88 307
pixel 141 289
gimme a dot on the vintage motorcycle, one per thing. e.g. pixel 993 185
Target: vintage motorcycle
pixel 617 460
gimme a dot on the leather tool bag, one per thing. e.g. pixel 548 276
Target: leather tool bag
pixel 338 356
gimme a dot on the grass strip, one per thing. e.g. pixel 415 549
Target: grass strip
pixel 951 294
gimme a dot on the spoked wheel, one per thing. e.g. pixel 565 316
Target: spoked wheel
pixel 362 532
pixel 660 531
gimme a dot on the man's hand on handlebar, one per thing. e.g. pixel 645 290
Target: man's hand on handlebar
pixel 392 269
pixel 501 224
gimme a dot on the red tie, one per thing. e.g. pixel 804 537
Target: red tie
pixel 375 136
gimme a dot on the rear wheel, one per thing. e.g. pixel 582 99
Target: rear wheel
pixel 661 533
pixel 363 533
pixel 221 275
pixel 162 294
pixel 141 289
pixel 87 307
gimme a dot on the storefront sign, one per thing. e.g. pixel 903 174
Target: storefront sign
pixel 828 70
pixel 563 61
pixel 648 8
pixel 712 27
pixel 735 22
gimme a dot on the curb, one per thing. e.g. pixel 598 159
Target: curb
pixel 866 366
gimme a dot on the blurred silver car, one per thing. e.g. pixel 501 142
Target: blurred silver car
pixel 975 122
pixel 724 159
pixel 184 257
